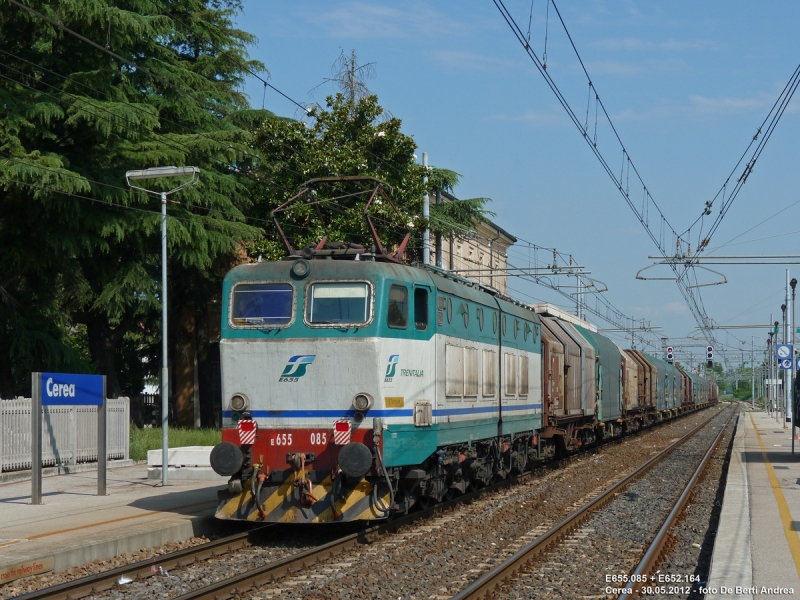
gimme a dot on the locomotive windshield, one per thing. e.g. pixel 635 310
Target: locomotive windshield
pixel 338 303
pixel 264 304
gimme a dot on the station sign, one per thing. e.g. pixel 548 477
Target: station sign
pixel 69 389
pixel 66 389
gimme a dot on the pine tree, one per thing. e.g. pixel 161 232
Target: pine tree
pixel 79 276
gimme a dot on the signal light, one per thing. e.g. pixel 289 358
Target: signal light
pixel 670 355
pixel 710 356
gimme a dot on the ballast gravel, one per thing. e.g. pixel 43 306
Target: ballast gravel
pixel 693 536
pixel 611 543
pixel 441 556
pixel 32 584
pixel 431 559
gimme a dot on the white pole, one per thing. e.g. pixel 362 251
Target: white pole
pixel 426 213
pixel 439 235
pixel 793 284
pixel 752 375
pixel 787 373
pixel 164 361
pixel 791 372
pixel 770 358
pixel 155 173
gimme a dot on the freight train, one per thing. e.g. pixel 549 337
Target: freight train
pixel 356 388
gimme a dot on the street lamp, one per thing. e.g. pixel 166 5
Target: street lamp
pixel 793 372
pixel 770 383
pixel 157 173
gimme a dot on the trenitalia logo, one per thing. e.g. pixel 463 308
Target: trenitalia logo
pixel 392 366
pixel 296 367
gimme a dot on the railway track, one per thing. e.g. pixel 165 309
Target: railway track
pixel 100 582
pixel 93 584
pixel 489 584
pixel 273 570
pixel 643 573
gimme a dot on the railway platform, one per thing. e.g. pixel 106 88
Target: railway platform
pixel 757 547
pixel 74 526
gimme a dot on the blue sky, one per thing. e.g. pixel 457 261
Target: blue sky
pixel 686 84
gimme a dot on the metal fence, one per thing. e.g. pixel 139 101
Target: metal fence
pixel 69 433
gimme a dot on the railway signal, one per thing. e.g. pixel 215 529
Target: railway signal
pixel 670 355
pixel 710 356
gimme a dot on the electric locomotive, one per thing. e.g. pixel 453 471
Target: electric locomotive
pixel 355 388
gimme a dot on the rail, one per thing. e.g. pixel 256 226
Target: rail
pixel 100 582
pixel 486 584
pixel 655 553
pixel 93 584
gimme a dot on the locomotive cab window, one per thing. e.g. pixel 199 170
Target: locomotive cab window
pixel 397 310
pixel 420 309
pixel 335 303
pixel 262 304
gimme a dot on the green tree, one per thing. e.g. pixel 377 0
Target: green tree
pixel 79 279
pixel 349 139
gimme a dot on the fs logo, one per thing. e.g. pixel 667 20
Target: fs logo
pixel 391 367
pixel 296 367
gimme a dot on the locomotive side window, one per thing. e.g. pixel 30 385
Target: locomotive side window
pixel 262 304
pixel 510 361
pixel 333 303
pixel 470 371
pixel 523 375
pixel 421 309
pixel 397 311
pixel 489 373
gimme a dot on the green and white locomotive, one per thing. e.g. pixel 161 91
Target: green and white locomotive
pixel 366 387
pixel 356 387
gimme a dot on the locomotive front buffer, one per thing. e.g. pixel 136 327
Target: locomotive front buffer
pixel 340 480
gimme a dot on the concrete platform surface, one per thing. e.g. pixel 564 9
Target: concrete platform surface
pixel 757 547
pixel 74 526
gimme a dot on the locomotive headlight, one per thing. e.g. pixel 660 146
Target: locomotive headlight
pixel 362 401
pixel 239 402
pixel 300 268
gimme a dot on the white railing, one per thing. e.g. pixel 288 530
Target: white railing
pixel 69 433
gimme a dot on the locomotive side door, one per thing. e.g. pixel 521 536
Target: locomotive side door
pixel 423 319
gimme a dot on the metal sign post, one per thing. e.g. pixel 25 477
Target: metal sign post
pixel 64 389
pixel 102 441
pixel 36 438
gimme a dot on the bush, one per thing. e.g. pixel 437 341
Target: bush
pixel 143 440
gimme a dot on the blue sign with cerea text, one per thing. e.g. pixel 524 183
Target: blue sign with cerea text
pixel 70 389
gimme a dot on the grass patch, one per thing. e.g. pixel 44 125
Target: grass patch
pixel 143 440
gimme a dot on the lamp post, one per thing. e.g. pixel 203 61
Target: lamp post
pixel 777 371
pixel 786 374
pixel 770 383
pixel 793 285
pixel 752 375
pixel 158 173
